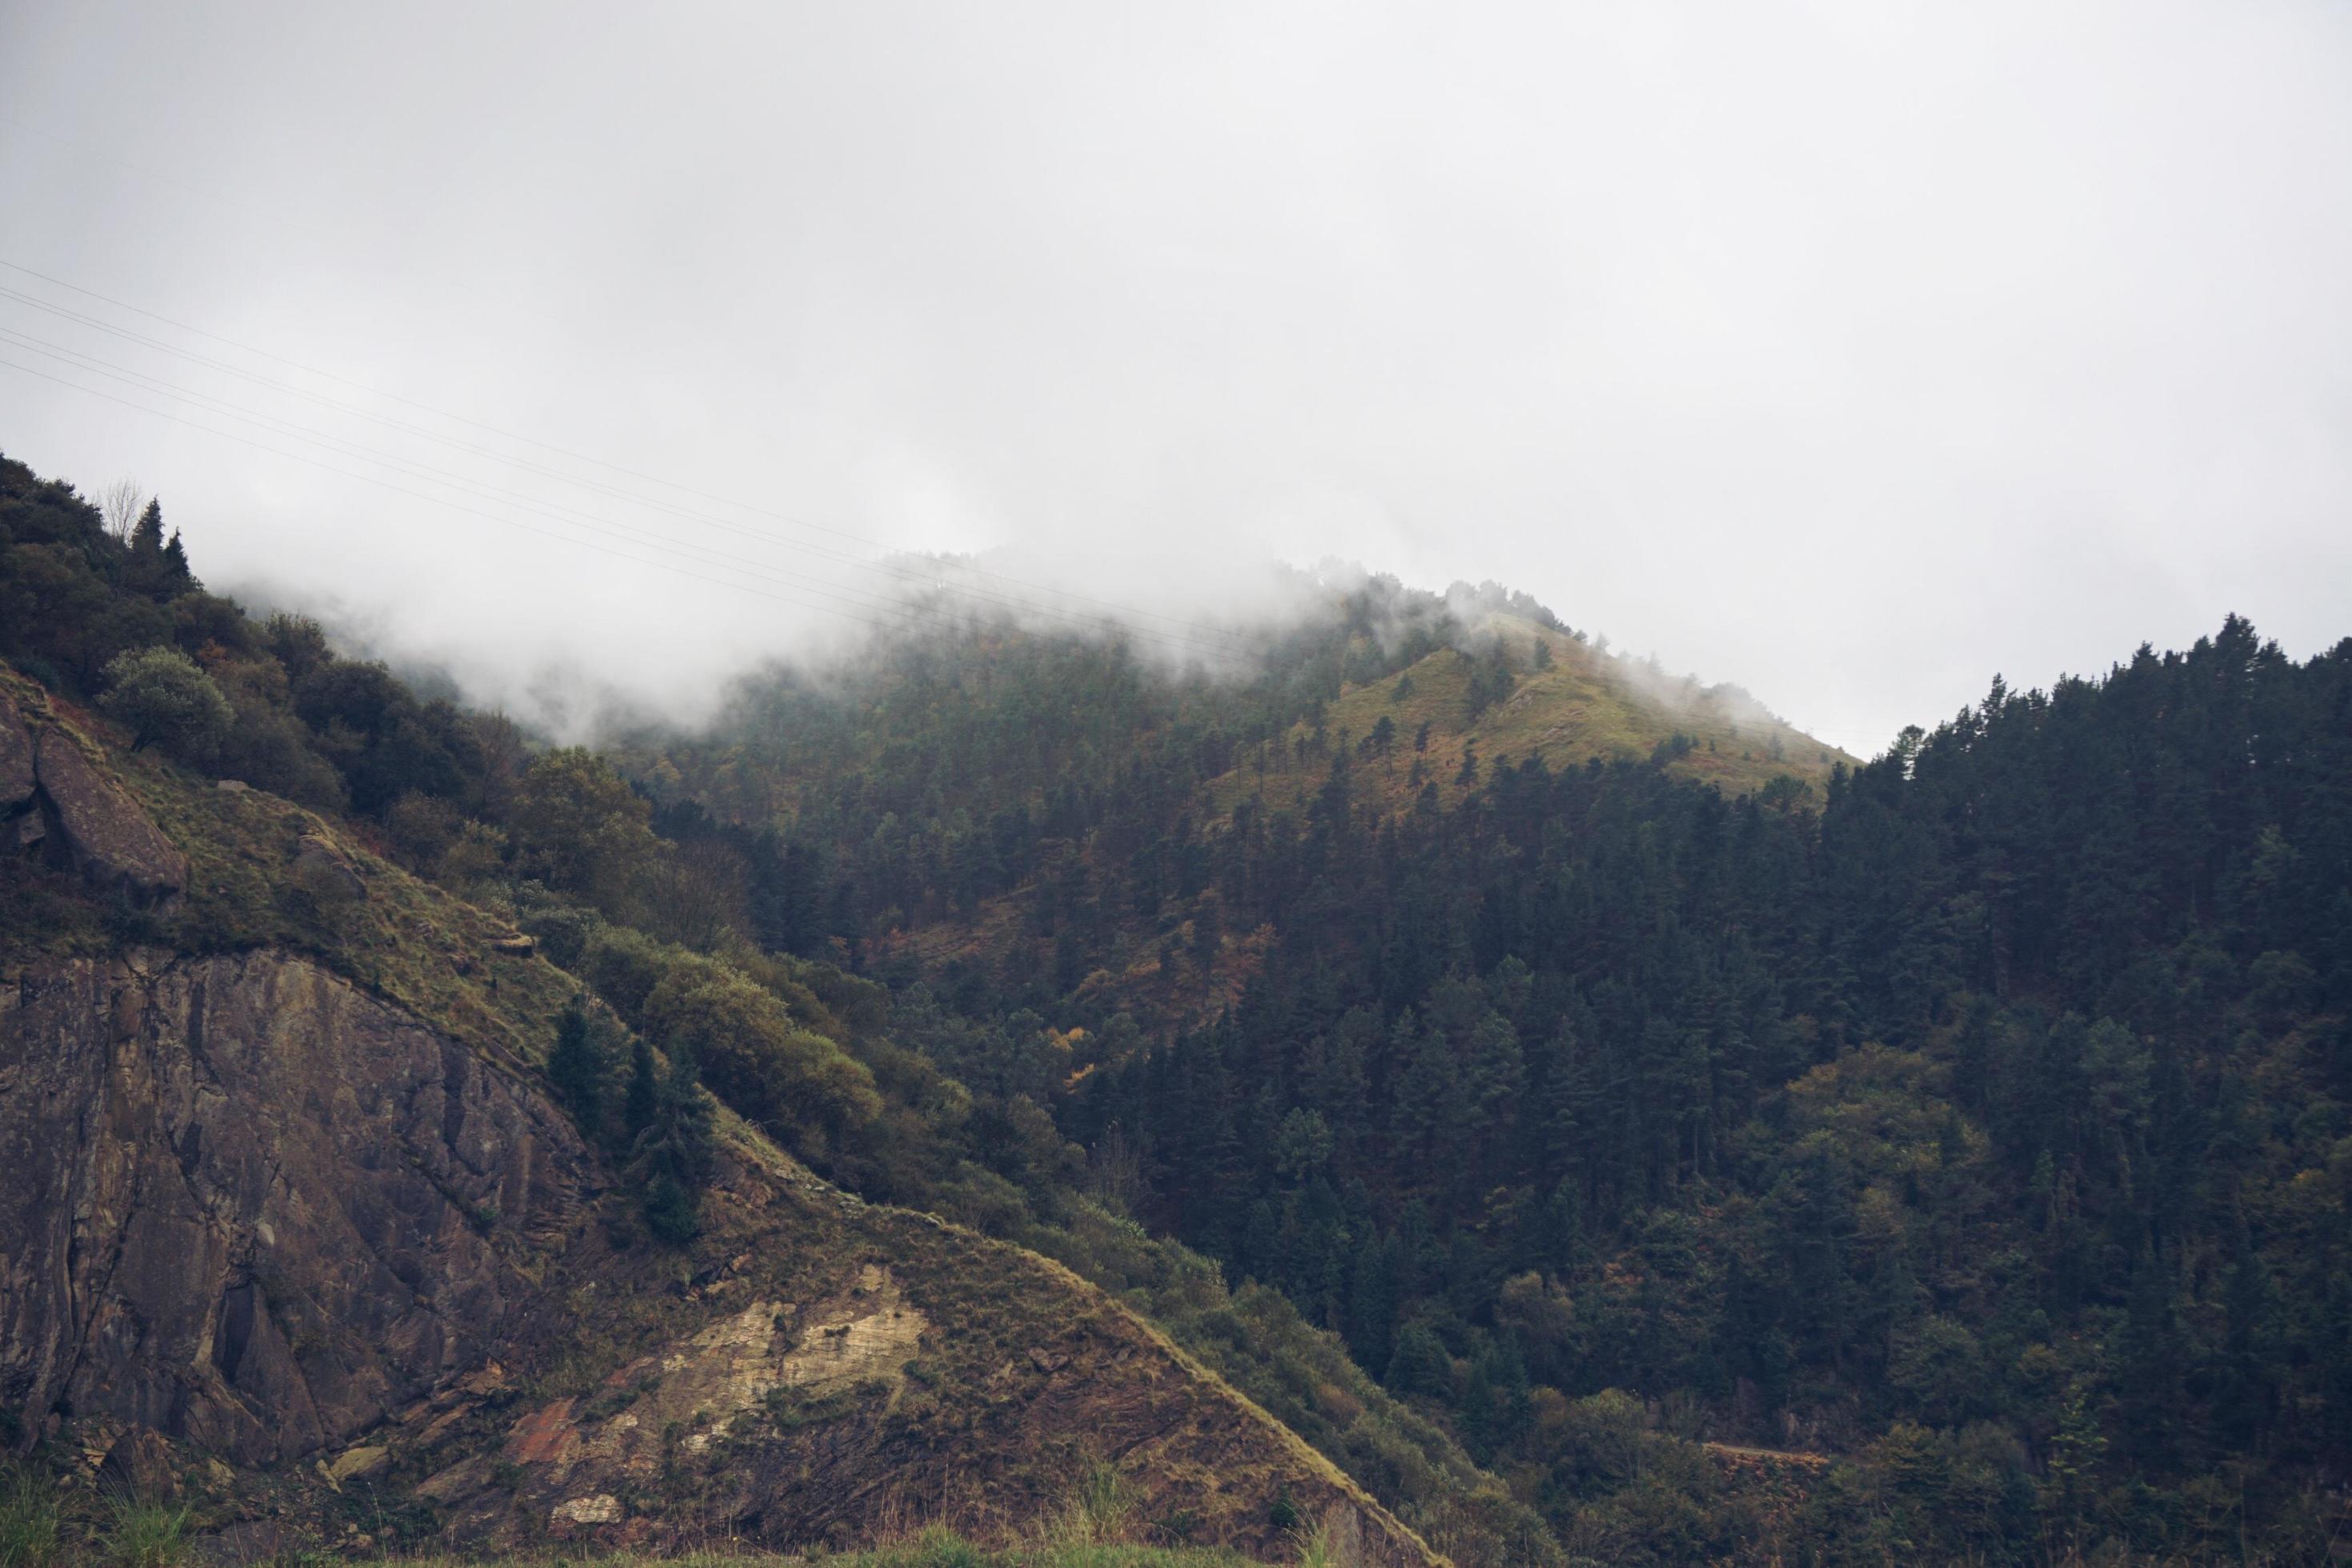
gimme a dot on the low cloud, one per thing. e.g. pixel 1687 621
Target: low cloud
pixel 1849 353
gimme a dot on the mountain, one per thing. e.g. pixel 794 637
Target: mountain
pixel 1957 1125
pixel 992 797
pixel 303 1202
pixel 1601 1124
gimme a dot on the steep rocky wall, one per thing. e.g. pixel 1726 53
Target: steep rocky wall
pixel 253 1207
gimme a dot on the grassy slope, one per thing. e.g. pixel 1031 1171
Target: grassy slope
pixel 408 941
pixel 1587 705
pixel 1254 1338
pixel 992 1297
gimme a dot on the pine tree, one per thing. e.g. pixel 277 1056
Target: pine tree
pixel 674 1156
pixel 1420 1365
pixel 643 1100
pixel 177 577
pixel 575 1070
pixel 1558 1243
pixel 1373 1295
pixel 147 534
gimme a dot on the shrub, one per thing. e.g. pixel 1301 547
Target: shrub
pixel 164 699
pixel 579 826
pixel 756 1058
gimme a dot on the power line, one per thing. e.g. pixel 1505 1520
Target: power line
pixel 444 500
pixel 423 471
pixel 1226 648
pixel 556 511
pixel 1127 612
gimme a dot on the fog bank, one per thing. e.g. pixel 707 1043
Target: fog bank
pixel 1850 353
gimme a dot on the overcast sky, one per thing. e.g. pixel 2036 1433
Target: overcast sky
pixel 1851 352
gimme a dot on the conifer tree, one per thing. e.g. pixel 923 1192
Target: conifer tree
pixel 576 1070
pixel 643 1100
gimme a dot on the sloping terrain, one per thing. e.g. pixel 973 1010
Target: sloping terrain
pixel 1571 707
pixel 299 1206
pixel 1386 745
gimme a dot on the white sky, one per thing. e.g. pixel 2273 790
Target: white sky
pixel 1849 352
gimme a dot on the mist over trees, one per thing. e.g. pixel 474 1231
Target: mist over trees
pixel 1976 1121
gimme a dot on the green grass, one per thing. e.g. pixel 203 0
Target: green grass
pixel 1101 1513
pixel 145 1535
pixel 29 1520
pixel 1585 706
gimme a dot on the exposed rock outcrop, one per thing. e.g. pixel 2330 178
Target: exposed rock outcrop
pixel 138 1466
pixel 111 841
pixel 253 1207
pixel 326 871
pixel 54 800
pixel 258 1214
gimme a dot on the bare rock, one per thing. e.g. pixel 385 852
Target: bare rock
pixel 241 1210
pixel 15 761
pixel 364 1463
pixel 485 1381
pixel 596 1508
pixel 138 1466
pixel 241 1199
pixel 112 839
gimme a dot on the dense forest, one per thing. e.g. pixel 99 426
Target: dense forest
pixel 1974 1119
pixel 1984 1117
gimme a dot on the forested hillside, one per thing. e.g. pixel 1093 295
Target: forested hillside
pixel 1578 1080
pixel 1988 1125
pixel 1978 1118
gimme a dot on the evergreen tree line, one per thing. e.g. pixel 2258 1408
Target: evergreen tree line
pixel 2007 1092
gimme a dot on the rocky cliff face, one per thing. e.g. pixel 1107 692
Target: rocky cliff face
pixel 257 1209
pixel 57 803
